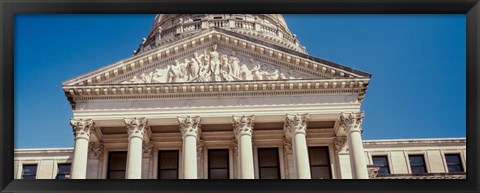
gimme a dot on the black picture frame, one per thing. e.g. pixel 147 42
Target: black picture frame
pixel 9 8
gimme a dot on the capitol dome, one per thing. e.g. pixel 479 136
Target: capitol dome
pixel 271 28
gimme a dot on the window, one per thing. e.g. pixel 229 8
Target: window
pixel 417 164
pixel 29 171
pixel 167 164
pixel 218 164
pixel 217 17
pixel 63 171
pixel 454 163
pixel 319 162
pixel 117 165
pixel 269 167
pixel 382 162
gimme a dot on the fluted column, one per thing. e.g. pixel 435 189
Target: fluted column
pixel 190 128
pixel 243 129
pixel 295 128
pixel 81 130
pixel 352 122
pixel 136 128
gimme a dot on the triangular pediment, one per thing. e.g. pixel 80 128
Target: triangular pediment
pixel 215 56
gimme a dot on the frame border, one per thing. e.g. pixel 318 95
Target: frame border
pixel 8 9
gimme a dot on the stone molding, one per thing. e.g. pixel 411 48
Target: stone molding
pixel 82 127
pixel 189 126
pixel 136 126
pixel 200 145
pixel 295 124
pixel 95 150
pixel 243 125
pixel 351 121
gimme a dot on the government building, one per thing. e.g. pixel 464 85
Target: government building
pixel 229 96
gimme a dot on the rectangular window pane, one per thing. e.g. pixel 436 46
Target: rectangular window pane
pixel 117 165
pixel 319 162
pixel 268 157
pixel 382 162
pixel 417 164
pixel 320 172
pixel 454 163
pixel 218 174
pixel 29 171
pixel 168 164
pixel 168 159
pixel 63 171
pixel 269 173
pixel 218 164
pixel 268 163
pixel 318 155
pixel 168 174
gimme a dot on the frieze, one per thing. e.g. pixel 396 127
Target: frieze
pixel 212 66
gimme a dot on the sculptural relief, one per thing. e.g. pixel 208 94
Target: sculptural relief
pixel 211 66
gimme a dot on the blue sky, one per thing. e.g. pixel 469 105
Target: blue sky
pixel 417 62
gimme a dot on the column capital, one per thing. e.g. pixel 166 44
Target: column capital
pixel 243 125
pixel 351 121
pixel 95 150
pixel 136 127
pixel 189 126
pixel 295 124
pixel 82 128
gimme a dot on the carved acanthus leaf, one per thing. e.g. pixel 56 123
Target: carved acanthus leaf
pixel 243 125
pixel 82 127
pixel 287 145
pixel 339 143
pixel 147 148
pixel 136 126
pixel 295 123
pixel 189 125
pixel 351 119
pixel 95 150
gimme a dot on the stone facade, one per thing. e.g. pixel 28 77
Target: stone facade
pixel 397 152
pixel 240 84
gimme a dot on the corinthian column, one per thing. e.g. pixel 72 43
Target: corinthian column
pixel 295 128
pixel 81 131
pixel 135 128
pixel 243 128
pixel 190 128
pixel 352 122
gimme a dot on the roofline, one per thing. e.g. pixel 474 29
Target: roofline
pixel 293 52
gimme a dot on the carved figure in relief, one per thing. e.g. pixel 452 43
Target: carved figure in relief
pixel 215 62
pixel 193 67
pixel 210 66
pixel 235 65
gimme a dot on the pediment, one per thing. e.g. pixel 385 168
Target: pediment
pixel 213 64
pixel 215 56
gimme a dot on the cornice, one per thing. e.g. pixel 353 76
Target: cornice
pixel 217 89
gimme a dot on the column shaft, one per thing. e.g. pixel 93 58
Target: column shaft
pixel 190 157
pixel 357 155
pixel 301 156
pixel 81 130
pixel 246 157
pixel 190 128
pixel 136 128
pixel 80 156
pixel 134 156
pixel 295 128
